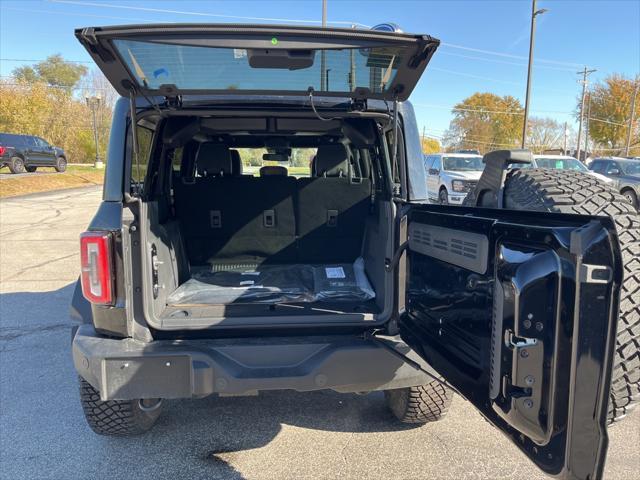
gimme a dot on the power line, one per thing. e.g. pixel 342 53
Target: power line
pixel 41 60
pixel 506 55
pixel 505 62
pixel 202 14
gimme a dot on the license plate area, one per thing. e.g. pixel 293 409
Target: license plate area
pixel 147 377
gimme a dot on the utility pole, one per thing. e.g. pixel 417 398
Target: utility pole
pixel 586 127
pixel 532 37
pixel 94 103
pixel 633 111
pixel 352 68
pixel 564 144
pixel 584 73
pixel 323 55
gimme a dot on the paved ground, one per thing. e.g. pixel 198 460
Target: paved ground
pixel 276 435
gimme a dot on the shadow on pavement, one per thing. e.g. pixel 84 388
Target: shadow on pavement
pixel 204 434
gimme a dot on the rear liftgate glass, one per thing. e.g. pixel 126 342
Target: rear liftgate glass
pixel 516 310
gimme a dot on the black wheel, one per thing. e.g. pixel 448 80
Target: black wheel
pixel 443 197
pixel 31 169
pixel 574 192
pixel 16 165
pixel 631 196
pixel 61 164
pixel 117 417
pixel 421 404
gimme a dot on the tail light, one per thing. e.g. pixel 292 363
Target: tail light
pixel 2 150
pixel 97 267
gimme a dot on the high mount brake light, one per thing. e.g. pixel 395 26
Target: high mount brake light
pixel 97 267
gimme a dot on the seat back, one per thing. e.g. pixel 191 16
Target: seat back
pixel 332 209
pixel 225 216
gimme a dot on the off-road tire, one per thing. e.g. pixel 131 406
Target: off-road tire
pixel 61 164
pixel 16 165
pixel 31 169
pixel 421 404
pixel 575 192
pixel 115 417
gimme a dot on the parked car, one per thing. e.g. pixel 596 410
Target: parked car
pixel 198 280
pixel 624 173
pixel 450 176
pixel 25 153
pixel 561 162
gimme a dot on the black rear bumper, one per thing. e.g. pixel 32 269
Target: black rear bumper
pixel 127 369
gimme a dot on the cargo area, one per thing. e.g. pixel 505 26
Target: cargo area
pixel 271 244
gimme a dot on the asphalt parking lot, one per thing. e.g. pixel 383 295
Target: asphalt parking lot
pixel 275 435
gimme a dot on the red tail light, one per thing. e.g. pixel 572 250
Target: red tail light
pixel 2 150
pixel 97 267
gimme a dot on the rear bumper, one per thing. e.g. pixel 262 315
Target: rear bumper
pixel 127 369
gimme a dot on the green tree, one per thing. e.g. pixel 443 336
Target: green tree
pixel 54 71
pixel 484 122
pixel 610 103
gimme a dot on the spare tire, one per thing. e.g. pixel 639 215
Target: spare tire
pixel 568 191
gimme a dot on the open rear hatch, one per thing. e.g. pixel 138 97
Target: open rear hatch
pixel 197 59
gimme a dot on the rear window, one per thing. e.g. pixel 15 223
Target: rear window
pixel 11 139
pixel 471 163
pixel 298 165
pixel 213 68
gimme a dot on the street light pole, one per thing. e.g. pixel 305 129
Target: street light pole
pixel 534 14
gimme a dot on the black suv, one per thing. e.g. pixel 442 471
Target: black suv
pixel 25 153
pixel 200 278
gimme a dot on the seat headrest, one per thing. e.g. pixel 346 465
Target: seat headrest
pixel 236 163
pixel 273 170
pixel 213 159
pixel 332 161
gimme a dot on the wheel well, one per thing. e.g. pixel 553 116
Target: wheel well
pixel 61 156
pixel 19 155
pixel 628 189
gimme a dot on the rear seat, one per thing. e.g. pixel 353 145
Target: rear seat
pixel 332 209
pixel 224 216
pixel 275 217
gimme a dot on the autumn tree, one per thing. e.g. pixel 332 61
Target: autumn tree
pixel 610 104
pixel 54 71
pixel 485 121
pixel 430 145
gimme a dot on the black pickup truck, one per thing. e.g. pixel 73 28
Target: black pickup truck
pixel 25 153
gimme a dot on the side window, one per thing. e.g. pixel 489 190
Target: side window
pixel 140 162
pixel 176 160
pixel 612 167
pixel 428 161
pixel 41 142
pixel 437 163
pixel 597 166
pixel 30 142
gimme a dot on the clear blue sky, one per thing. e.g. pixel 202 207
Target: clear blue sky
pixel 485 44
